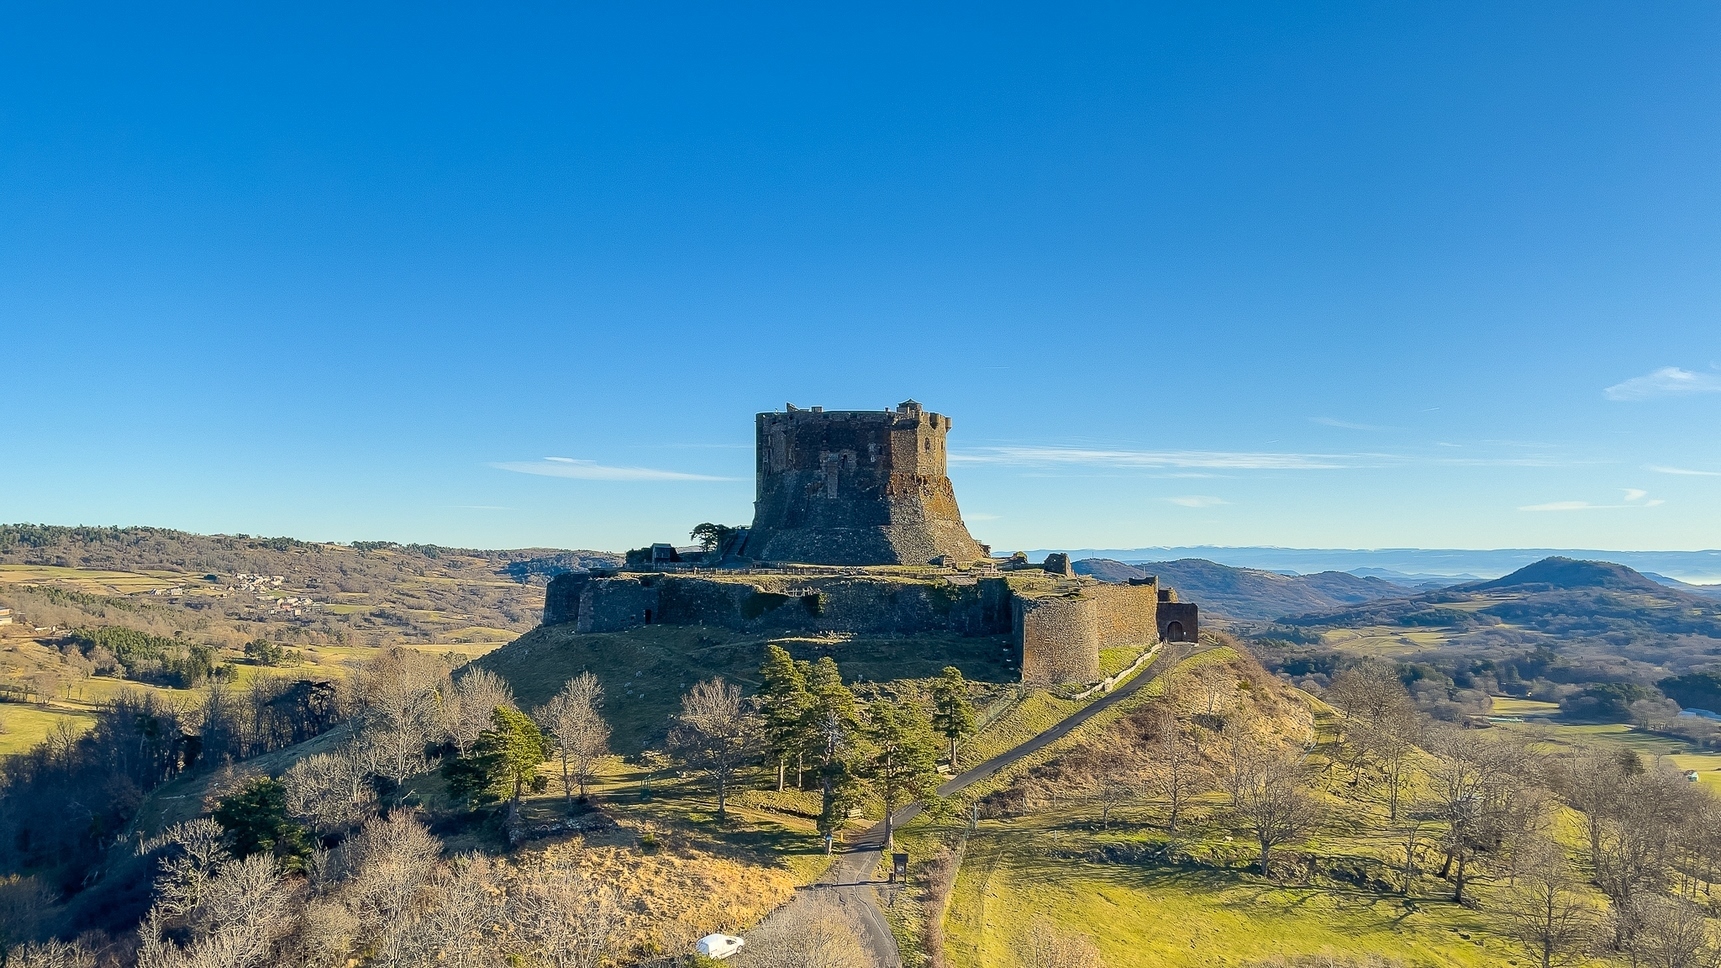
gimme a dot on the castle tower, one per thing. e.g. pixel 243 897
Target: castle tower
pixel 855 487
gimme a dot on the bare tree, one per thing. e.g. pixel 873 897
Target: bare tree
pixel 1545 911
pixel 193 852
pixel 1672 933
pixel 1594 784
pixel 1638 842
pixel 325 935
pixel 398 694
pixel 1268 792
pixel 582 736
pixel 818 934
pixel 714 733
pixel 53 953
pixel 331 791
pixel 475 696
pixel 391 860
pixel 1112 779
pixel 568 920
pixel 1477 792
pixel 1211 688
pixel 459 917
pixel 1175 770
pixel 242 912
pixel 1380 726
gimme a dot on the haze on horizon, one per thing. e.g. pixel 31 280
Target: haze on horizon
pixel 1266 275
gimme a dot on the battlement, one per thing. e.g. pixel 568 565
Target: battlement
pixel 855 487
pixel 856 530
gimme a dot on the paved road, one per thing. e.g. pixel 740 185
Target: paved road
pixel 851 878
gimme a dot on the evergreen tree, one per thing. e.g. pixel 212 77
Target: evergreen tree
pixel 952 715
pixel 901 764
pixel 783 703
pixel 503 761
pixel 831 726
pixel 256 819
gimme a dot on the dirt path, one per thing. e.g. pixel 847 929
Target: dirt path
pixel 852 877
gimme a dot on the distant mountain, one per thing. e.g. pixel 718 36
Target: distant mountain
pixel 1421 581
pixel 1444 565
pixel 1603 609
pixel 1707 591
pixel 1248 593
pixel 1568 574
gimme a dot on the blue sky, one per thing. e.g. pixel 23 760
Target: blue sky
pixel 1308 275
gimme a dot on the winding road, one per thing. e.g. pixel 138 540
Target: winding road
pixel 851 879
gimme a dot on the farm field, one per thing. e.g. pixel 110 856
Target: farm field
pixel 1550 733
pixel 74 698
pixel 1385 643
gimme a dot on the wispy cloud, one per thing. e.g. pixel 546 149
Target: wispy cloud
pixel 476 507
pixel 1152 459
pixel 1197 501
pixel 1189 463
pixel 1669 381
pixel 1345 424
pixel 1683 472
pixel 591 470
pixel 1634 498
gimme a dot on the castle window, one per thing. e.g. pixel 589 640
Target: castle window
pixel 648 616
pixel 929 445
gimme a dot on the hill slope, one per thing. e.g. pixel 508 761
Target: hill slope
pixel 1248 593
pixel 644 671
pixel 233 588
pixel 1601 610
pixel 1569 574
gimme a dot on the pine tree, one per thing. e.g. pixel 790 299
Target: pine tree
pixel 503 761
pixel 901 765
pixel 783 703
pixel 952 715
pixel 830 723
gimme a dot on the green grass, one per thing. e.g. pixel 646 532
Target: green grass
pixel 27 724
pixel 1172 917
pixel 1115 660
pixel 1386 643
pixel 644 671
pixel 1548 732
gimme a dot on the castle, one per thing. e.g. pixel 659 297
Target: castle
pixel 856 529
pixel 855 488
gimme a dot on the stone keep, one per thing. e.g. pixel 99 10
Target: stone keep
pixel 855 487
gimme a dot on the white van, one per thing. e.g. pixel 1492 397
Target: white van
pixel 719 946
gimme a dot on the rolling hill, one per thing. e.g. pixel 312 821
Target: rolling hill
pixel 230 589
pixel 1597 611
pixel 1249 594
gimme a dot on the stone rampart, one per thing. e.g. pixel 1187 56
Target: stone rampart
pixel 1059 638
pixel 1059 624
pixel 1125 614
pixel 788 604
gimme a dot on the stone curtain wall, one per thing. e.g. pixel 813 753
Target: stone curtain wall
pixel 1059 638
pixel 1125 614
pixel 1059 635
pixel 781 604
